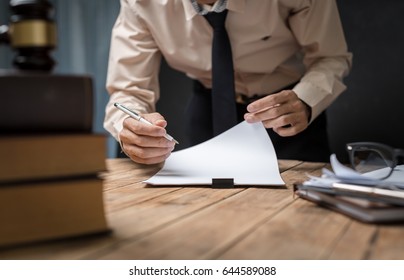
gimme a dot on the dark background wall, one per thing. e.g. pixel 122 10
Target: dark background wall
pixel 372 107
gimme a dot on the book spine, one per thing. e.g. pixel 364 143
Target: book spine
pixel 45 103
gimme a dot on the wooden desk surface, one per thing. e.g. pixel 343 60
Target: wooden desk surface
pixel 205 223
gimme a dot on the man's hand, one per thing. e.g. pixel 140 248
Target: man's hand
pixel 284 112
pixel 145 143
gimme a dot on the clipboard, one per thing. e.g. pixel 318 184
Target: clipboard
pixel 241 156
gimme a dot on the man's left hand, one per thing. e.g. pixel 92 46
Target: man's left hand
pixel 284 112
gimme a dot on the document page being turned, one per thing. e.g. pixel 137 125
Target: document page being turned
pixel 244 154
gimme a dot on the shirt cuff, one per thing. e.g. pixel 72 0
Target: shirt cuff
pixel 317 98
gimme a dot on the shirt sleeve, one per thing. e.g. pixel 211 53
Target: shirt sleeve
pixel 133 67
pixel 317 28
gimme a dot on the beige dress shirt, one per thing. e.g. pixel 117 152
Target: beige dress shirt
pixel 275 43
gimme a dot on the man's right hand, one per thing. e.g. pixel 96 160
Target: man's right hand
pixel 145 143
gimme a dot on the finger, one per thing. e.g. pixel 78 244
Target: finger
pixel 146 155
pixel 266 114
pixel 287 125
pixel 281 121
pixel 154 160
pixel 156 119
pixel 271 101
pixel 129 137
pixel 141 128
pixel 295 107
pixel 290 130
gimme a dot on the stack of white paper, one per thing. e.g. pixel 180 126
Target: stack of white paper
pixel 344 174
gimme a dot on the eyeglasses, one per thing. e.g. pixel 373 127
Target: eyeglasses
pixel 373 159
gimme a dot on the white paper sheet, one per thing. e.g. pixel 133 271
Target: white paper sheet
pixel 343 174
pixel 244 153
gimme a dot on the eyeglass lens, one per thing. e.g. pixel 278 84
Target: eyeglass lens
pixel 372 163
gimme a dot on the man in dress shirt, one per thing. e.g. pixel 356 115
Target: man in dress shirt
pixel 289 57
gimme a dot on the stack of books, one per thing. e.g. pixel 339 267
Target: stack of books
pixel 49 171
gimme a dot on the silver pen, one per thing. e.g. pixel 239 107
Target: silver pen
pixel 136 116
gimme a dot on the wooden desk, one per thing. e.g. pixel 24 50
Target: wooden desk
pixel 205 223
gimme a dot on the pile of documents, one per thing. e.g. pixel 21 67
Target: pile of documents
pixel 360 196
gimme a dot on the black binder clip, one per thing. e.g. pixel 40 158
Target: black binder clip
pixel 222 183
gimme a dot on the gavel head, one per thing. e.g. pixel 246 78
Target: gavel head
pixel 32 34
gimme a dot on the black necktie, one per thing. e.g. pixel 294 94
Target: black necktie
pixel 224 112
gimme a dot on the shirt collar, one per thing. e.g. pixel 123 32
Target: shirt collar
pixel 232 5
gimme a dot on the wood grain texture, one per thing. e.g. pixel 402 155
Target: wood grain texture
pixel 203 223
